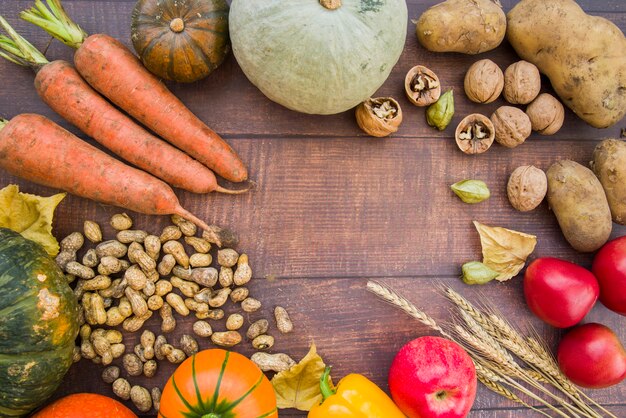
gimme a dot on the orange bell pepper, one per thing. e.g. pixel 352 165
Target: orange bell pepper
pixel 354 397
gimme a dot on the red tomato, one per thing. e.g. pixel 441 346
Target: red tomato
pixel 85 405
pixel 609 267
pixel 559 292
pixel 592 356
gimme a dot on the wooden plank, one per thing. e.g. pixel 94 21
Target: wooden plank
pixel 349 207
pixel 356 332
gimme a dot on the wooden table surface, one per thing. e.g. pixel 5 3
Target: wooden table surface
pixel 334 208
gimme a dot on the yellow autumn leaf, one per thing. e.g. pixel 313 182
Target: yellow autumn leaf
pixel 30 215
pixel 505 250
pixel 299 387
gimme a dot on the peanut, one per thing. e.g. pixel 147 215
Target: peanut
pixel 183 273
pixel 109 265
pixel 149 289
pixel 189 345
pixel 206 277
pixel 95 313
pixel 226 276
pixel 84 332
pixel 92 231
pixel 197 307
pixel 188 289
pixel 121 221
pixel 200 260
pixel 152 275
pixel 176 249
pixel 170 233
pixel 202 329
pixel 156 398
pixel 90 259
pixel 78 270
pixel 78 289
pixel 113 336
pixel 125 307
pixel 110 374
pixel 167 263
pixel 257 328
pixel 158 344
pixel 186 227
pixel 117 350
pixel 72 243
pixel 283 322
pixel 76 356
pixel 129 235
pixel 175 356
pixel 111 248
pixel 227 257
pixel 100 282
pixel 215 314
pixel 132 364
pixel 65 257
pixel 147 340
pixel 152 245
pixel 163 287
pixel 176 302
pixel 199 245
pixel 136 254
pixel 234 322
pixel 219 298
pixel 135 277
pixel 278 362
pixel 115 290
pixel 263 342
pixel 87 350
pixel 139 305
pixel 243 274
pixel 141 398
pixel 155 302
pixel 226 338
pixel 121 388
pixel 114 317
pixel 150 368
pixel 134 323
pixel 168 323
pixel 250 305
pixel 239 294
pixel 220 236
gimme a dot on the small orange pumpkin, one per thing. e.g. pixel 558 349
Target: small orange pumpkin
pixel 81 405
pixel 181 40
pixel 218 384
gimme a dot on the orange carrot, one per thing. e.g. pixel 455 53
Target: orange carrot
pixel 38 150
pixel 62 88
pixel 113 70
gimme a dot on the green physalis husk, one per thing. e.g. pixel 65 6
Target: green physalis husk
pixel 476 272
pixel 439 114
pixel 471 191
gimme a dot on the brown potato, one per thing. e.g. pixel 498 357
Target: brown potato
pixel 579 203
pixel 609 164
pixel 469 27
pixel 583 56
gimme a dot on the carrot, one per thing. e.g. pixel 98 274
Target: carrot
pixel 113 70
pixel 36 149
pixel 61 87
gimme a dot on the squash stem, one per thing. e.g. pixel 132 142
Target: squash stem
pixel 331 4
pixel 3 123
pixel 18 50
pixel 55 20
pixel 325 388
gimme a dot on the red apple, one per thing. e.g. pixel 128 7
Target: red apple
pixel 559 292
pixel 592 356
pixel 432 377
pixel 609 267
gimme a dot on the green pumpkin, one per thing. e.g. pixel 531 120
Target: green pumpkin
pixel 318 56
pixel 38 325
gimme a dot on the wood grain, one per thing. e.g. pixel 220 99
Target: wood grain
pixel 334 207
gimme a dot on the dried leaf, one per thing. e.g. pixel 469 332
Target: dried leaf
pixel 30 215
pixel 505 250
pixel 299 387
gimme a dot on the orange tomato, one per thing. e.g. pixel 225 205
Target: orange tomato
pixel 218 384
pixel 85 405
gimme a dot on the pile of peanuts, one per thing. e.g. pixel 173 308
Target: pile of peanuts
pixel 125 280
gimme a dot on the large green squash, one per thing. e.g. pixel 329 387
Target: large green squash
pixel 318 56
pixel 38 325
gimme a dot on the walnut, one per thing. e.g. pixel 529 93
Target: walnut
pixel 546 114
pixel 475 134
pixel 512 126
pixel 377 117
pixel 484 81
pixel 527 187
pixel 422 86
pixel 522 83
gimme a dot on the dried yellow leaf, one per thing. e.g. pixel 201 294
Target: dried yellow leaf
pixel 30 215
pixel 299 387
pixel 505 250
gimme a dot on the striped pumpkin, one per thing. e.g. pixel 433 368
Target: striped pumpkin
pixel 218 384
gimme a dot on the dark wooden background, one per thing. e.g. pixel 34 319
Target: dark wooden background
pixel 334 207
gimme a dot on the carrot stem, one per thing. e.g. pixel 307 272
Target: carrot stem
pixel 18 50
pixel 55 20
pixel 220 189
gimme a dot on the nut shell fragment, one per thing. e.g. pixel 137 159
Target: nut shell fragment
pixel 379 117
pixel 475 134
pixel 422 86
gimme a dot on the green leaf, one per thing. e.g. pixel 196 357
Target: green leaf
pixel 299 387
pixel 30 215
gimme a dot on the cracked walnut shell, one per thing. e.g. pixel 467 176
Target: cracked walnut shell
pixel 379 117
pixel 475 134
pixel 527 187
pixel 422 86
pixel 484 81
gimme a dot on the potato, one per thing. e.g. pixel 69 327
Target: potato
pixel 609 164
pixel 583 56
pixel 579 203
pixel 467 26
